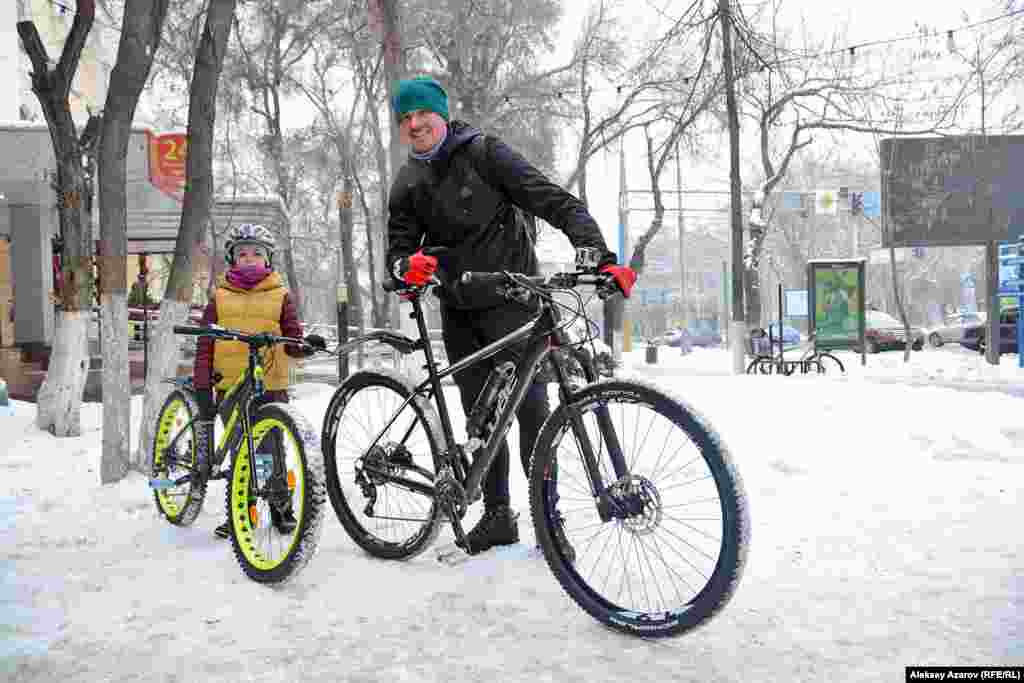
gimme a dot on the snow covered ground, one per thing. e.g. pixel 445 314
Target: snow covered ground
pixel 886 511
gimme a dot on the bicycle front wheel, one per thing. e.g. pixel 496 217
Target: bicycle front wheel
pixel 661 547
pixel 276 511
pixel 829 364
pixel 175 457
pixel 381 464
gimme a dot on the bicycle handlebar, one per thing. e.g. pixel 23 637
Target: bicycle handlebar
pixel 604 282
pixel 257 340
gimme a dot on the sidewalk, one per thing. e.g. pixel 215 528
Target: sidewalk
pixel 949 369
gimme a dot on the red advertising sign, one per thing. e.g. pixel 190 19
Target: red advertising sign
pixel 167 154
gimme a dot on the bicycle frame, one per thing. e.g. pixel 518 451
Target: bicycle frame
pixel 236 411
pixel 539 335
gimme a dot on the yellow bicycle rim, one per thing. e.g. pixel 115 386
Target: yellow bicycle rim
pixel 250 526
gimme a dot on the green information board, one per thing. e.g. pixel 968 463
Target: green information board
pixel 836 291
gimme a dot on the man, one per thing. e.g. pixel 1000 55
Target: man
pixel 468 193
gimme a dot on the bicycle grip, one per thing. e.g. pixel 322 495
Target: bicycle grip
pixel 187 329
pixel 470 277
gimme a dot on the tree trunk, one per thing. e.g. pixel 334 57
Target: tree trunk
pixel 376 240
pixel 59 401
pixel 752 279
pixel 737 333
pixel 195 215
pixel 394 69
pixel 140 39
pixel 346 228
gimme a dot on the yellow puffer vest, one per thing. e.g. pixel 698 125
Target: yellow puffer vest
pixel 250 311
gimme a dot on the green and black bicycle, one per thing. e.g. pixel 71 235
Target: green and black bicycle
pixel 276 463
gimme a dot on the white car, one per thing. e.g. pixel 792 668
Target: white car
pixel 952 328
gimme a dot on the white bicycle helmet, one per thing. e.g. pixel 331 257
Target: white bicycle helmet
pixel 249 233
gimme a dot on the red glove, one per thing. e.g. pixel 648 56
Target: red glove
pixel 416 269
pixel 625 277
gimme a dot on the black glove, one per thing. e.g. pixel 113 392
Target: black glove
pixel 316 341
pixel 207 408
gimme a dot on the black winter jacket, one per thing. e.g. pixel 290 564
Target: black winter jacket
pixel 467 200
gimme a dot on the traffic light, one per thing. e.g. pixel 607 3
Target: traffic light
pixel 856 203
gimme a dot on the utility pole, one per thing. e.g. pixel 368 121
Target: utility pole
pixel 737 333
pixel 843 213
pixel 620 303
pixel 682 236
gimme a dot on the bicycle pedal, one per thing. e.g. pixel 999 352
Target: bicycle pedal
pixel 161 484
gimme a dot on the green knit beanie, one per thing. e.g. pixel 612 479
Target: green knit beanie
pixel 422 92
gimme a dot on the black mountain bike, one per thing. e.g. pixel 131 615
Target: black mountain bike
pixel 293 475
pixel 635 501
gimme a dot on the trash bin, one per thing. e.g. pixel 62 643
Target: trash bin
pixel 652 353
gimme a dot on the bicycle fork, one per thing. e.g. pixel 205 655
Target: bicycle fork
pixel 608 507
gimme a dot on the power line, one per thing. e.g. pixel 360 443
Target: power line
pixel 768 64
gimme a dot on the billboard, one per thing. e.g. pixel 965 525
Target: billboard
pixel 836 291
pixel 796 303
pixel 952 191
pixel 167 158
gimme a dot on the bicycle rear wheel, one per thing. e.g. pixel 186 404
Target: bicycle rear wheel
pixel 364 449
pixel 175 455
pixel 292 486
pixel 671 548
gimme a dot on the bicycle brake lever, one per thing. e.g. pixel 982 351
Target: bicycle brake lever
pixel 518 294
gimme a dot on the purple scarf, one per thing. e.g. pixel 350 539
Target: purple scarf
pixel 247 277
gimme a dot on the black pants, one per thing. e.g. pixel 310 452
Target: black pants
pixel 469 331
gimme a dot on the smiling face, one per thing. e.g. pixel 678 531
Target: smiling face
pixel 422 129
pixel 249 255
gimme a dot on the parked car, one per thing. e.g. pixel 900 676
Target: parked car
pixel 698 334
pixel 882 331
pixel 790 335
pixel 974 335
pixel 952 328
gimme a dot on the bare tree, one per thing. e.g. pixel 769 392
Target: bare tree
pixel 273 39
pixel 346 134
pixel 789 99
pixel 60 396
pixel 140 39
pixel 485 52
pixel 599 55
pixel 195 215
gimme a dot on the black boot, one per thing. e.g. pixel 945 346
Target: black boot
pixel 280 498
pixel 283 520
pixel 498 526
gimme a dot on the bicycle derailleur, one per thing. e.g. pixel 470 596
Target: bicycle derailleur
pixel 374 468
